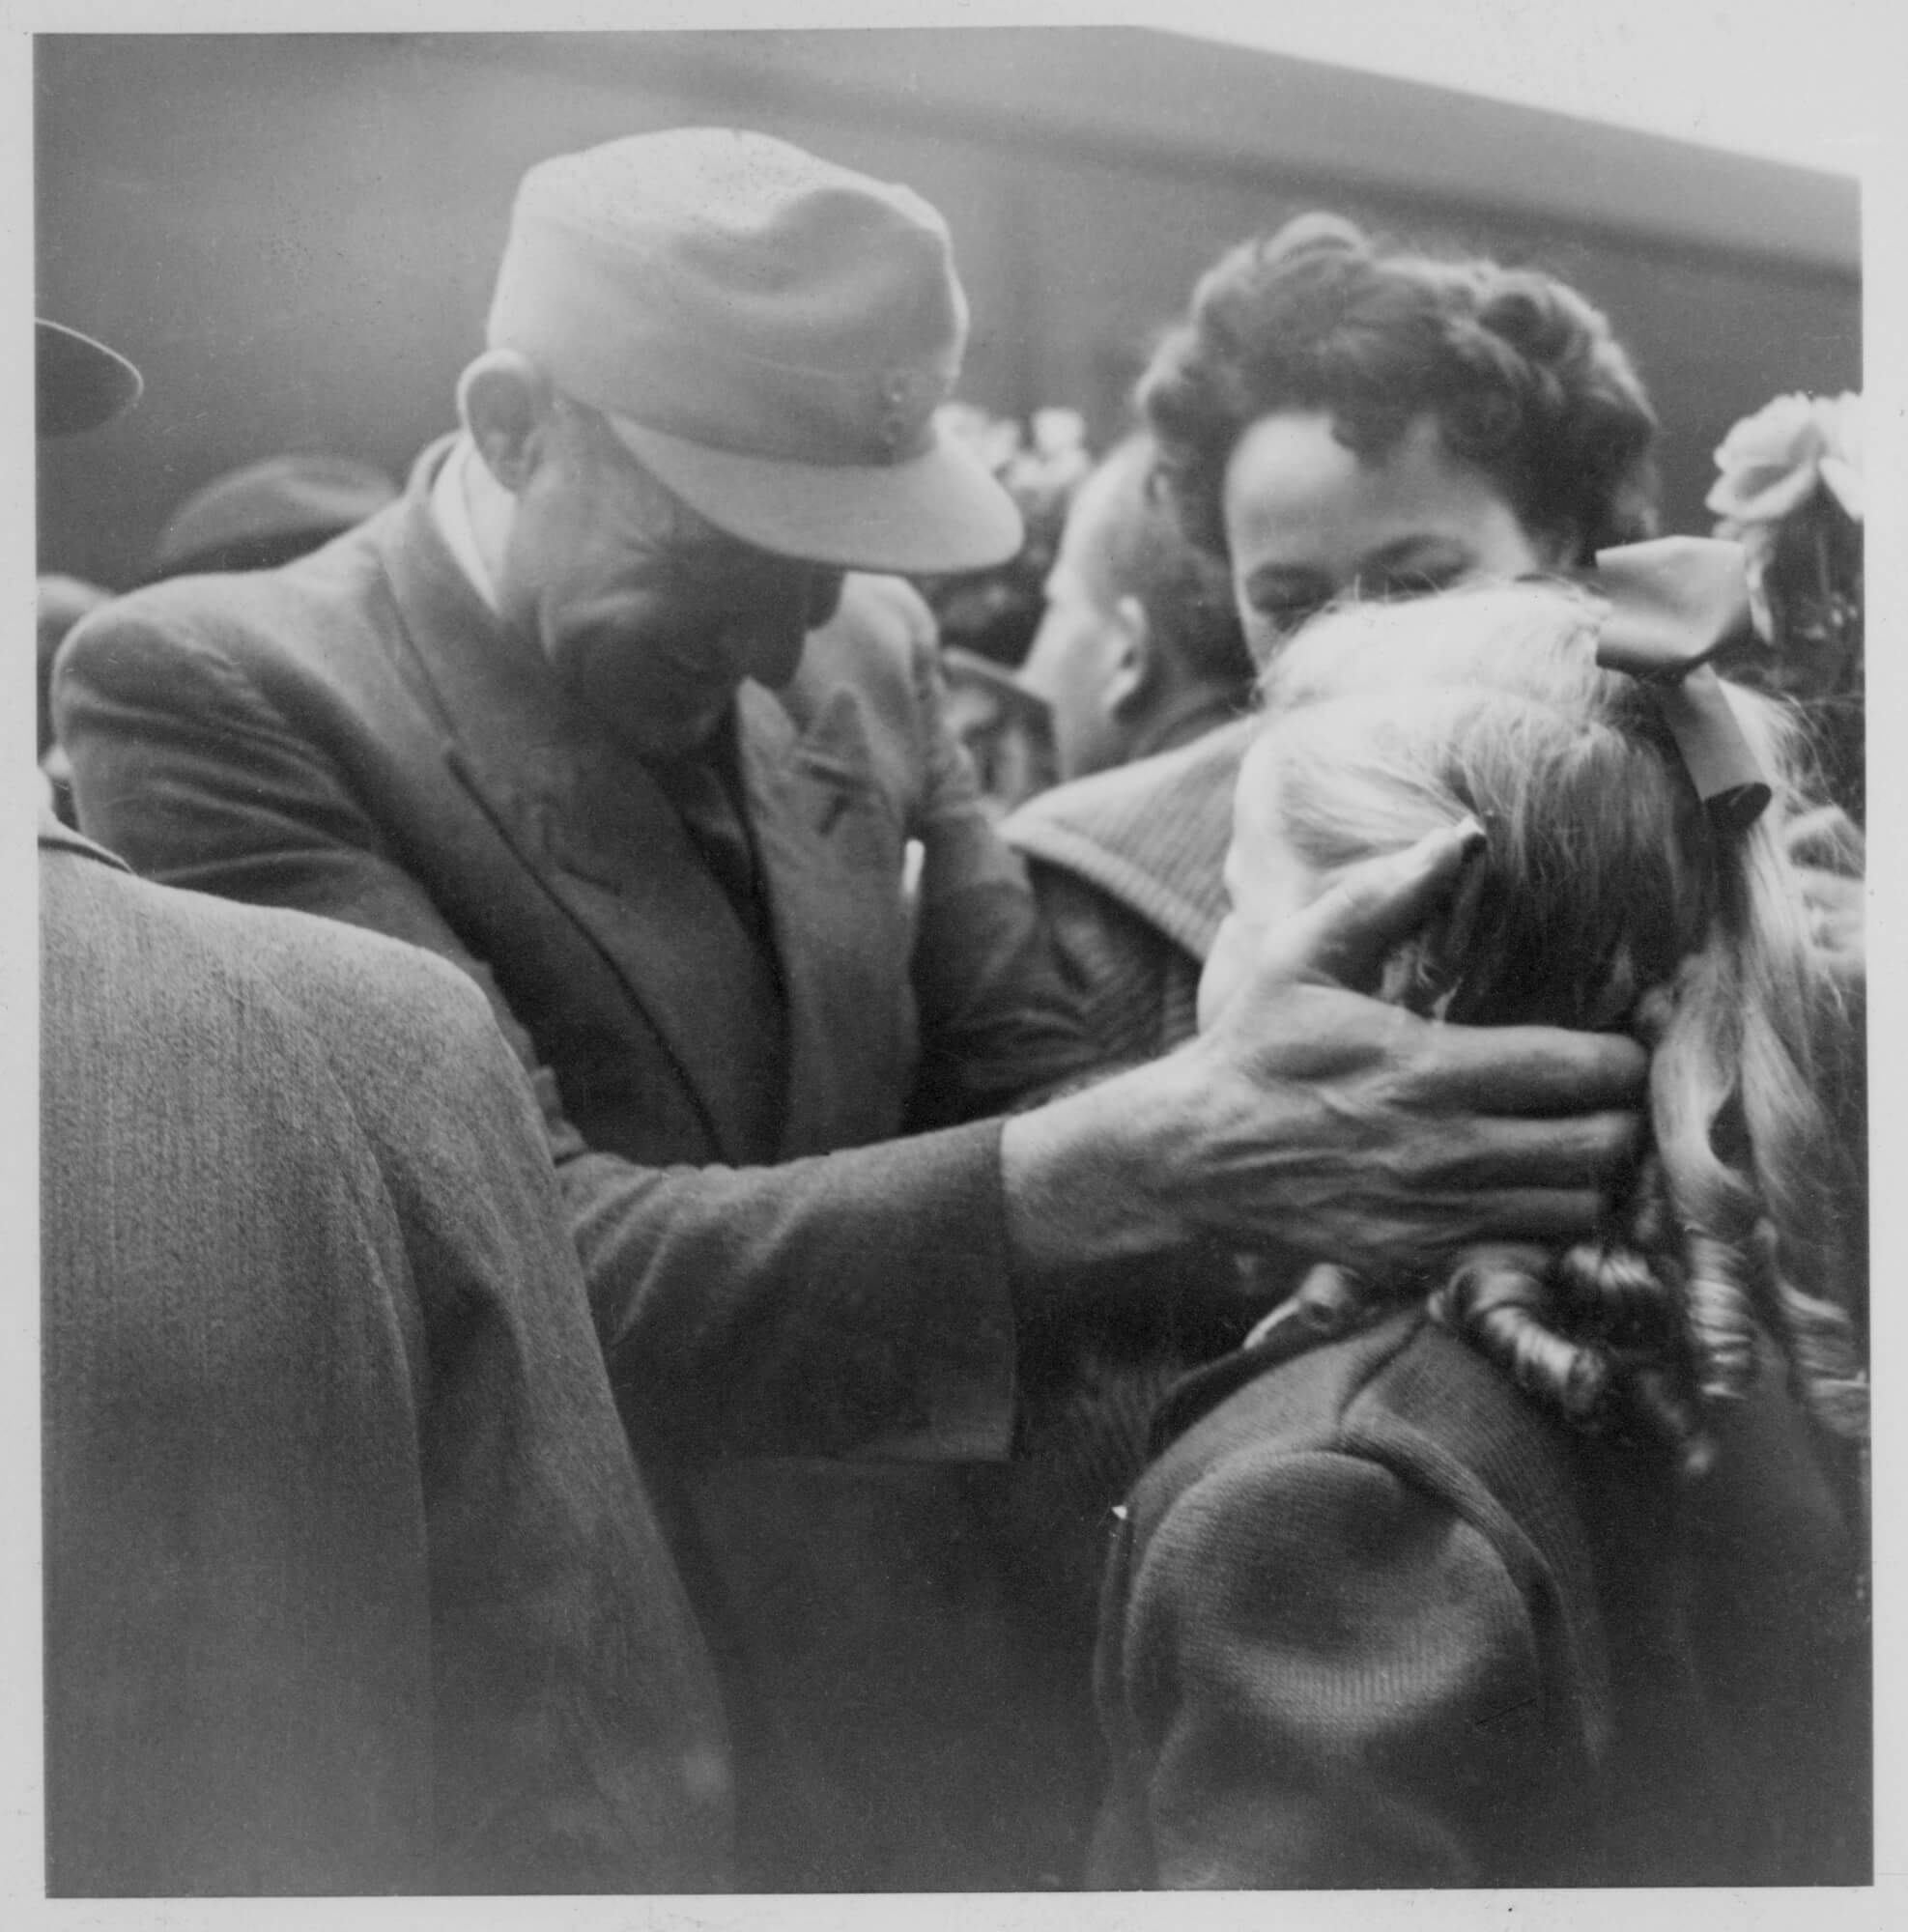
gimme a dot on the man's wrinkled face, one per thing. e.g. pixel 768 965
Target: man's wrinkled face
pixel 649 613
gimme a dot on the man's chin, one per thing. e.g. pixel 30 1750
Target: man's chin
pixel 654 710
pixel 651 734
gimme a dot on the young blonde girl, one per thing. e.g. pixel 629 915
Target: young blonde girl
pixel 1540 1568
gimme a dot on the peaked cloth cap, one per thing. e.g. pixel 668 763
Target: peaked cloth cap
pixel 770 334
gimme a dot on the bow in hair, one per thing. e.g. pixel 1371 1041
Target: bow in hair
pixel 1674 603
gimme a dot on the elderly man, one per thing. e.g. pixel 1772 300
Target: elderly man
pixel 351 1584
pixel 560 716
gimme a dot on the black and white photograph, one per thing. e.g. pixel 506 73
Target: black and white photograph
pixel 952 969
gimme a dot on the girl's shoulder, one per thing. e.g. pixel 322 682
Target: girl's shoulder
pixel 1401 1390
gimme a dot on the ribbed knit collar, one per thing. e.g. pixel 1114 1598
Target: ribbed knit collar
pixel 1150 835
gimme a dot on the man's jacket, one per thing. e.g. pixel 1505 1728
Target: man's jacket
pixel 353 735
pixel 772 1274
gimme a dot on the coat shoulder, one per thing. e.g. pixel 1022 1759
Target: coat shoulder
pixel 384 1016
pixel 314 616
pixel 1403 1392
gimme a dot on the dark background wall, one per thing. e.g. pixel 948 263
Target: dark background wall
pixel 294 235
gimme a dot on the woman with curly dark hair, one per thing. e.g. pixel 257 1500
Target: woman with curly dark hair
pixel 1334 416
pixel 1538 1567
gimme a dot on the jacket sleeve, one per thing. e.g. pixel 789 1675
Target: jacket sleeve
pixel 856 1301
pixel 1319 1675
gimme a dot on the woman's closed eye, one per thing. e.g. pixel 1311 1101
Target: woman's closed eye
pixel 1284 607
pixel 1423 579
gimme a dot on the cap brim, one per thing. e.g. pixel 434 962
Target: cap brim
pixel 78 384
pixel 938 512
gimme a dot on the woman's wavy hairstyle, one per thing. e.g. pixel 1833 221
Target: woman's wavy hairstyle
pixel 1603 899
pixel 1524 377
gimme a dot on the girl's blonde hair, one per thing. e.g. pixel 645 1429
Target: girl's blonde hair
pixel 1604 899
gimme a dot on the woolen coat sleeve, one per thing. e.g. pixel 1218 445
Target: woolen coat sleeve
pixel 853 1300
pixel 351 1582
pixel 1315 1674
pixel 576 1726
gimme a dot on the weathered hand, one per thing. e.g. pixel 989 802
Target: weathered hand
pixel 1318 1118
pixel 1362 1132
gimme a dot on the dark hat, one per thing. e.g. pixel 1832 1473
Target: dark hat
pixel 78 384
pixel 268 512
pixel 769 333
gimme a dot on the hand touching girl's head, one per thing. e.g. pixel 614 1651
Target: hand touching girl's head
pixel 1602 898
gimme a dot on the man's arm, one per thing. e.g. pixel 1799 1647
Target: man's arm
pixel 854 1302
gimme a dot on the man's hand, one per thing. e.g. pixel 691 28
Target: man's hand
pixel 1315 1116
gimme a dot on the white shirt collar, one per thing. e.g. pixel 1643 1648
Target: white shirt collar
pixel 450 505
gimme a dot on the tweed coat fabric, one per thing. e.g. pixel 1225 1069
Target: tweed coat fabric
pixel 1375 1618
pixel 777 1286
pixel 351 1584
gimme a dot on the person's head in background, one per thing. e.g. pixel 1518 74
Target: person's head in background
pixel 1605 899
pixel 1140 646
pixel 80 385
pixel 267 512
pixel 60 603
pixel 1336 416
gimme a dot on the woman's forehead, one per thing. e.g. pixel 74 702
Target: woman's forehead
pixel 1296 495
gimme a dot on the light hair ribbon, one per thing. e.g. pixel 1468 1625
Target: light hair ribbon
pixel 1674 603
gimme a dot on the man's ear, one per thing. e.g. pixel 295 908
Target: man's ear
pixel 1136 666
pixel 505 402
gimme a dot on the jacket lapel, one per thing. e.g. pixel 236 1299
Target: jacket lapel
pixel 830 853
pixel 589 823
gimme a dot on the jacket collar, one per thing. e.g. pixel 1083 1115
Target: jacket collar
pixel 1150 835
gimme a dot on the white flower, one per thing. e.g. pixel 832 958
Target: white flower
pixel 994 439
pixel 1772 462
pixel 1060 433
